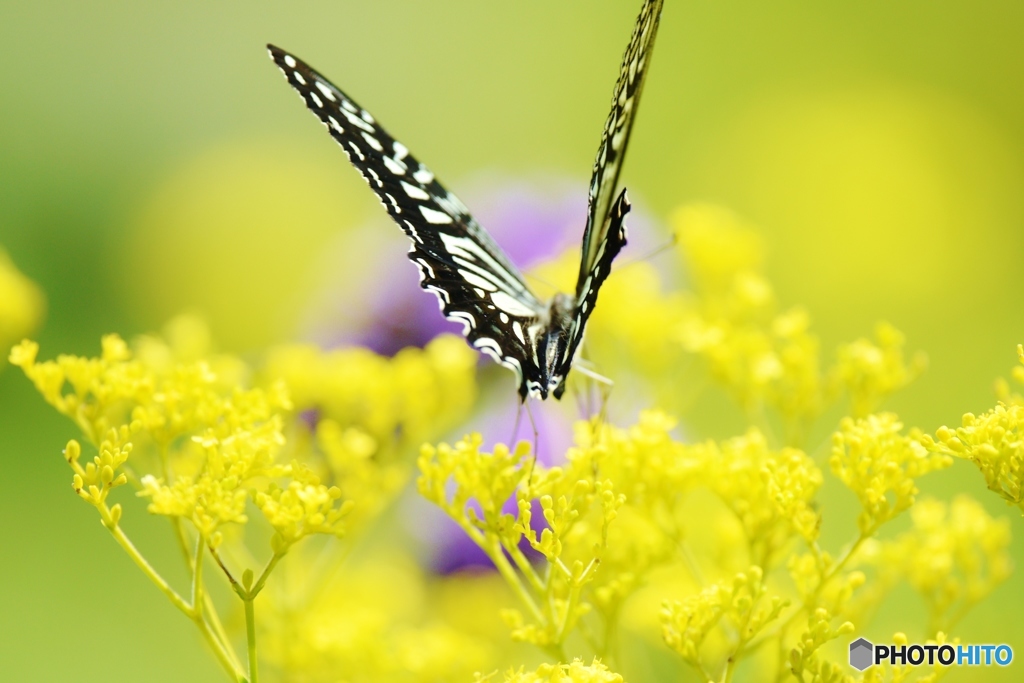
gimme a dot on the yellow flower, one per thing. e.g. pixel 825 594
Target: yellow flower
pixel 805 659
pixel 994 442
pixel 227 470
pixel 303 507
pixel 95 481
pixel 737 610
pixel 761 355
pixel 771 493
pixel 954 556
pixel 879 464
pixel 22 304
pixel 871 371
pixel 576 672
pixel 400 401
pixel 378 619
pixel 97 393
pixel 578 507
pixel 716 246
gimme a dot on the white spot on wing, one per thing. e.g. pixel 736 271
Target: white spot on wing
pixel 435 217
pixel 477 281
pixel 299 77
pixel 356 151
pixel 326 91
pixel 396 167
pixel 290 61
pixel 423 176
pixel 415 192
pixel 357 122
pixel 373 142
pixel 518 330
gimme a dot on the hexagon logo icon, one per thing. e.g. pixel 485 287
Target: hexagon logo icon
pixel 861 652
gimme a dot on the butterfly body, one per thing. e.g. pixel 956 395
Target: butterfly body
pixel 475 283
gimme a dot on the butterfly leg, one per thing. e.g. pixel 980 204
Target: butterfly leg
pixel 515 427
pixel 533 454
pixel 603 383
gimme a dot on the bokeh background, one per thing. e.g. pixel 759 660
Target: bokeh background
pixel 152 160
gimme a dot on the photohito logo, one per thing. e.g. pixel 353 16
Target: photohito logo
pixel 864 653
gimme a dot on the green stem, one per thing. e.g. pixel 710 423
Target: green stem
pixel 250 636
pixel 218 647
pixel 255 590
pixel 570 608
pixel 197 578
pixel 146 567
pixel 525 567
pixel 512 579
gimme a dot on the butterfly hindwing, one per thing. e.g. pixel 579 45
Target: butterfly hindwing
pixel 607 250
pixel 473 279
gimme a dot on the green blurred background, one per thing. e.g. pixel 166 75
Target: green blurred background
pixel 152 160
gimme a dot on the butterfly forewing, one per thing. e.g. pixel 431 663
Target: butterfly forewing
pixel 475 282
pixel 615 138
pixel 473 279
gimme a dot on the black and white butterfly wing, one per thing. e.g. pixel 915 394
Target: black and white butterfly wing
pixel 605 232
pixel 475 282
pixel 615 137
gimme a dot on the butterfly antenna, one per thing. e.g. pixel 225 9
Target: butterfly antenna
pixel 535 278
pixel 672 241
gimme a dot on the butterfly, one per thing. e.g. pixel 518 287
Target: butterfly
pixel 475 282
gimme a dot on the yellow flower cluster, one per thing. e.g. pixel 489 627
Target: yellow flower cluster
pixel 879 464
pixel 576 672
pixel 600 541
pixel 739 607
pixel 577 507
pixel 1004 392
pixel 397 401
pixel 805 661
pixel 994 442
pixel 954 556
pixel 22 303
pixel 711 548
pixel 871 371
pixel 97 479
pixel 770 493
pixel 763 355
pixel 372 413
pixel 380 620
pixel 214 447
pixel 207 449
